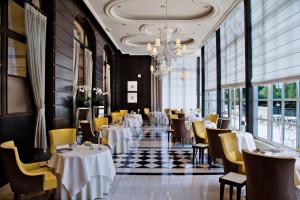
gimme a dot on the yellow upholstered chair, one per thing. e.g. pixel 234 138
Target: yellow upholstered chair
pixel 99 122
pixel 115 116
pixel 174 116
pixel 25 178
pixel 61 137
pixel 147 112
pixel 212 117
pixel 200 132
pixel 233 159
pixel 123 112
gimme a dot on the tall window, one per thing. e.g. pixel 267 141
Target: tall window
pixel 276 70
pixel 17 93
pixel 233 106
pixel 232 36
pixel 80 36
pixel 210 69
pixel 277 113
pixel 179 88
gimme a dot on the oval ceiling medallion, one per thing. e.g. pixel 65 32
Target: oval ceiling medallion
pixel 154 29
pixel 140 40
pixel 155 10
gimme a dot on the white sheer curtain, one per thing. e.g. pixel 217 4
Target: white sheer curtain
pixel 76 50
pixel 232 35
pixel 156 93
pixel 36 24
pixel 275 41
pixel 88 62
pixel 107 88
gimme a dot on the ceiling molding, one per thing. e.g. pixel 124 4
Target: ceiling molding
pixel 131 23
pixel 111 8
pixel 101 24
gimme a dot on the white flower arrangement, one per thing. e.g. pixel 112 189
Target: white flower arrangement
pixel 98 97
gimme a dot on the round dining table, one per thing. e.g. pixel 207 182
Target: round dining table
pixel 133 120
pixel 84 172
pixel 119 138
pixel 158 118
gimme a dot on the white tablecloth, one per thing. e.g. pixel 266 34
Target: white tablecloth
pixel 159 119
pixel 84 173
pixel 119 138
pixel 245 141
pixel 134 120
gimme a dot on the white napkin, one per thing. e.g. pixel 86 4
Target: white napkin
pixel 62 146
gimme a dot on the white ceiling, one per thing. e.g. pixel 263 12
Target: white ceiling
pixel 131 24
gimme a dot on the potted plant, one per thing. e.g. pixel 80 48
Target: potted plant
pixel 83 98
pixel 98 101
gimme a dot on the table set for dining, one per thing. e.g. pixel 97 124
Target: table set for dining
pixel 118 137
pixel 158 118
pixel 133 120
pixel 84 172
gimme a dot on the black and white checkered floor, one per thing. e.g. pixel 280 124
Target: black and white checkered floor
pixel 152 154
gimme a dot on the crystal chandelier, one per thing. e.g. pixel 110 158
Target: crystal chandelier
pixel 164 51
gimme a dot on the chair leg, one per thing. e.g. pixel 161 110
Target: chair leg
pixel 17 196
pixel 230 192
pixel 238 193
pixel 200 154
pixel 202 158
pixel 222 191
pixel 193 156
pixel 181 142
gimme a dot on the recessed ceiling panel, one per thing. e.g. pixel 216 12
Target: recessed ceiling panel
pixel 142 10
pixel 131 24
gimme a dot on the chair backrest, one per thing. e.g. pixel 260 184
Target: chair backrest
pixel 17 176
pixel 115 116
pixel 179 128
pixel 167 111
pixel 212 118
pixel 199 131
pixel 99 122
pixel 123 112
pixel 147 111
pixel 225 123
pixel 219 124
pixel 173 111
pixel 87 133
pixel 61 137
pixel 270 177
pixel 231 152
pixel 215 149
pixel 181 115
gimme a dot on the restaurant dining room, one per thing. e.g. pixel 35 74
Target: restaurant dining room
pixel 150 100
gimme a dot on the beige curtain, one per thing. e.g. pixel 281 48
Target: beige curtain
pixel 88 62
pixel 35 26
pixel 156 93
pixel 107 88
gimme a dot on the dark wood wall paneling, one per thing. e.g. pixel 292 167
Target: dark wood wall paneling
pixel 65 12
pixel 131 67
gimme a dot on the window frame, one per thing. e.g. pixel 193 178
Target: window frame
pixel 6 34
pixel 240 114
pixel 270 100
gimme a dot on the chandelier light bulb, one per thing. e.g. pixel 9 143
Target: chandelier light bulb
pixel 170 69
pixel 154 51
pixel 178 43
pixel 157 42
pixel 151 68
pixel 149 47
